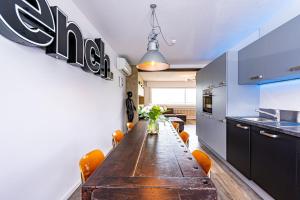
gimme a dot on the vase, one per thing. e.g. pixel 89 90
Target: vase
pixel 153 127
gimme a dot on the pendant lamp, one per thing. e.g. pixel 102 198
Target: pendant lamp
pixel 153 60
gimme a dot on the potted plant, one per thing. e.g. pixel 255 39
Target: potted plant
pixel 154 114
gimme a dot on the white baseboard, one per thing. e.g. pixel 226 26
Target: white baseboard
pixel 68 194
pixel 263 194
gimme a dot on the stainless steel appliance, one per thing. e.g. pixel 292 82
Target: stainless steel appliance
pixel 207 98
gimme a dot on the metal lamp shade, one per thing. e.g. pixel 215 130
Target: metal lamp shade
pixel 153 60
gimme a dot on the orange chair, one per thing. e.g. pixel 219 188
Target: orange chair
pixel 176 126
pixel 185 137
pixel 117 136
pixel 203 160
pixel 89 163
pixel 130 126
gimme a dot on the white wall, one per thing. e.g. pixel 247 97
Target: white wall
pixel 282 95
pixel 51 114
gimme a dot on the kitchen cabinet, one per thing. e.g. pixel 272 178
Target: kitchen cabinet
pixel 238 146
pixel 211 128
pixel 274 163
pixel 199 102
pixel 203 127
pixel 205 78
pixel 212 132
pixel 217 70
pixel 274 57
pixel 221 76
pixel 218 133
pixel 214 75
pixel 219 103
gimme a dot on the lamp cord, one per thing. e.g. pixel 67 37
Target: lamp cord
pixel 152 36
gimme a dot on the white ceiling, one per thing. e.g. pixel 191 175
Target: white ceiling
pixel 204 29
pixel 168 76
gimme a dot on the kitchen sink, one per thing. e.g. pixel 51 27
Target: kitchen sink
pixel 259 119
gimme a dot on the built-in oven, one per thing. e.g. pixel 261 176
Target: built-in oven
pixel 207 101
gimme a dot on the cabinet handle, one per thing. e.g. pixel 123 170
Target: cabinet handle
pixel 292 69
pixel 268 134
pixel 242 127
pixel 222 120
pixel 256 77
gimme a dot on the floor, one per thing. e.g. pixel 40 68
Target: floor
pixel 229 186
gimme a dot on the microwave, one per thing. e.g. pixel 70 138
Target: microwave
pixel 207 101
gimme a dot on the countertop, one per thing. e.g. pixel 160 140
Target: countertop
pixel 283 127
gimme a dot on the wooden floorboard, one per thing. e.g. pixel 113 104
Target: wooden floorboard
pixel 229 186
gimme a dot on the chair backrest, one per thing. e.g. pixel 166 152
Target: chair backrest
pixel 118 135
pixel 176 126
pixel 89 162
pixel 203 160
pixel 185 136
pixel 130 126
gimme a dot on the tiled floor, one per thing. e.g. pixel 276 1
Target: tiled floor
pixel 229 186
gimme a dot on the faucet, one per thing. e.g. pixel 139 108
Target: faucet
pixel 276 115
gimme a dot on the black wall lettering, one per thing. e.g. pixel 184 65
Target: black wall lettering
pixel 108 73
pixel 34 23
pixel 68 42
pixel 27 22
pixel 92 57
pixel 100 45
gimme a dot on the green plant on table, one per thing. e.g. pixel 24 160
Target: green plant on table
pixel 153 113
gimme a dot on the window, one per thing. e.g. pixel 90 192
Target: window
pixel 173 96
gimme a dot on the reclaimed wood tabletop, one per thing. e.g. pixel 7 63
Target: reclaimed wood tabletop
pixel 144 166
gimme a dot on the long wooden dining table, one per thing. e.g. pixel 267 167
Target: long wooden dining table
pixel 152 167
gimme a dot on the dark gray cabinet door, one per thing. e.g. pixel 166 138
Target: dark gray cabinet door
pixel 274 163
pixel 274 57
pixel 238 146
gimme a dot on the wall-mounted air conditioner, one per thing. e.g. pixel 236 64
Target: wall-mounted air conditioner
pixel 123 66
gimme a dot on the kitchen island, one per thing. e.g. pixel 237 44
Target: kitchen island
pixel 146 166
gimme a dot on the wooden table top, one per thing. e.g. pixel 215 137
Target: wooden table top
pixel 146 166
